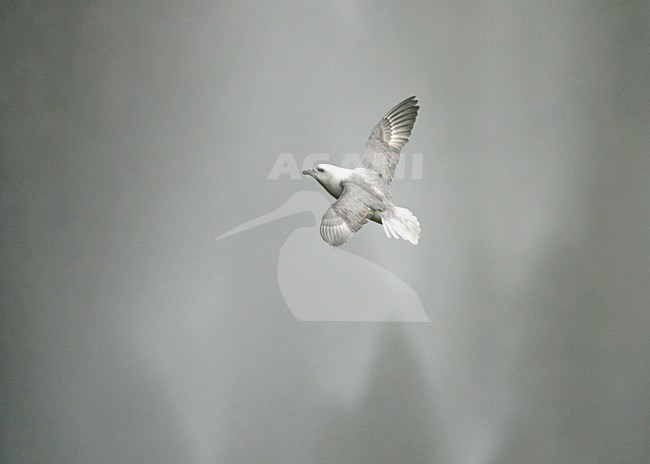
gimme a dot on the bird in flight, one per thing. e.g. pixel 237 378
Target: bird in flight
pixel 362 193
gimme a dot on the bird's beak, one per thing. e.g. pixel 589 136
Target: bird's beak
pixel 289 208
pixel 308 172
pixel 301 201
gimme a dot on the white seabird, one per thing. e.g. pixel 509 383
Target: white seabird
pixel 363 193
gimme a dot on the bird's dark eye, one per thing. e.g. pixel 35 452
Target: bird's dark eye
pixel 320 169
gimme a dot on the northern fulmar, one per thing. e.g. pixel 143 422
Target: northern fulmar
pixel 362 193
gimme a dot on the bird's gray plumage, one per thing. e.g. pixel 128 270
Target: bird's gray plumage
pixel 389 137
pixel 363 193
pixel 346 215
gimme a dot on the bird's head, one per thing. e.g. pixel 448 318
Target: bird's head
pixel 320 172
pixel 328 173
pixel 329 176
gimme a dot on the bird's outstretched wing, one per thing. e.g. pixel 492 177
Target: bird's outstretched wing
pixel 346 216
pixel 389 137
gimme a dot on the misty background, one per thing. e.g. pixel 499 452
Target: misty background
pixel 133 133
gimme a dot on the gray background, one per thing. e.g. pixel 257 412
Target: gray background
pixel 133 133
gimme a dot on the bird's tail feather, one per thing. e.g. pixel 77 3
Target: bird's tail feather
pixel 401 223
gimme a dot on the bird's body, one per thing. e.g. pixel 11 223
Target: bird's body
pixel 363 193
pixel 336 177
